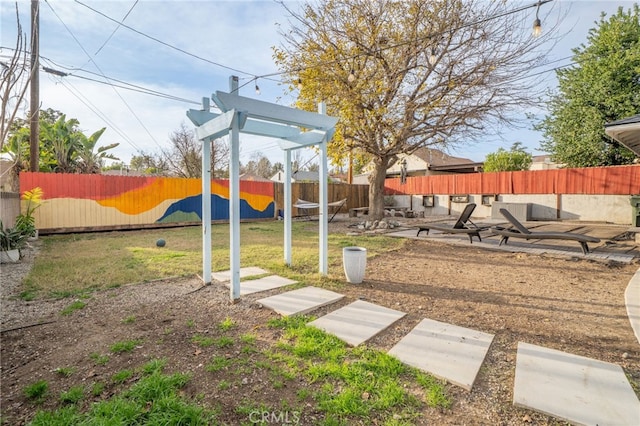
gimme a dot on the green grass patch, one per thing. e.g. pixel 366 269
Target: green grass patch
pixel 36 391
pixel 203 341
pixel 129 320
pixel 99 359
pixel 218 363
pixel 124 346
pixel 65 371
pixel 226 324
pixel 153 400
pixel 354 383
pixel 97 388
pixel 156 365
pixel 74 264
pixel 73 395
pixel 75 306
pixel 223 342
pixel 121 376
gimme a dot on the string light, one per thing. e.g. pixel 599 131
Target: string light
pixel 352 77
pixel 432 57
pixel 537 26
pixel 257 89
pixel 299 84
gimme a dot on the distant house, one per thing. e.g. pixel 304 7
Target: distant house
pixel 426 162
pixel 626 131
pixel 253 178
pixel 299 176
pixel 543 162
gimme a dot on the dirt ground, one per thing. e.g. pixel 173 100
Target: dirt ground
pixel 566 304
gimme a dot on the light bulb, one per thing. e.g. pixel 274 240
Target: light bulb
pixel 299 84
pixel 432 57
pixel 537 28
pixel 257 90
pixel 352 77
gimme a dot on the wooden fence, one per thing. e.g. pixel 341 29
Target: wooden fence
pixel 614 180
pixel 76 203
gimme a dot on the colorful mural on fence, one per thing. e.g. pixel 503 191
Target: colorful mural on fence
pixel 77 201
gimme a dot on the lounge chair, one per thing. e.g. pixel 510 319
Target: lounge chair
pixel 518 230
pixel 463 225
pixel 309 205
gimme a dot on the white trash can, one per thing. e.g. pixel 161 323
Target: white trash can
pixel 354 260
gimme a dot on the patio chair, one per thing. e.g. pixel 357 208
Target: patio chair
pixel 518 230
pixel 463 225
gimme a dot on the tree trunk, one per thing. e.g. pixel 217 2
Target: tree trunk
pixel 376 190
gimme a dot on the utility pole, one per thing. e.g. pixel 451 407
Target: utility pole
pixel 34 103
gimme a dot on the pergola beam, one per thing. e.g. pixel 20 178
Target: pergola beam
pixel 273 113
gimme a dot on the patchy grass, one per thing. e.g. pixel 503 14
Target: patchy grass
pixel 75 306
pixel 37 391
pixel 65 371
pixel 124 346
pixel 355 382
pixel 99 359
pixel 154 399
pixel 74 264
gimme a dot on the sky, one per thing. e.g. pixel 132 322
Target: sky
pixel 182 51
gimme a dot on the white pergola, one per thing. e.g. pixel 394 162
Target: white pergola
pixel 294 128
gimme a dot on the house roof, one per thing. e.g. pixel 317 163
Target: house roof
pixel 437 158
pixel 626 131
pixel 254 178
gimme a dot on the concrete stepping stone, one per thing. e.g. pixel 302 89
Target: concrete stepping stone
pixel 358 321
pixel 573 388
pixel 262 284
pixel 444 350
pixel 249 271
pixel 300 301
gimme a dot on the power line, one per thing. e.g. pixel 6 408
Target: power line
pixel 97 67
pixel 115 29
pixel 252 77
pixel 193 55
pixel 78 94
pixel 402 43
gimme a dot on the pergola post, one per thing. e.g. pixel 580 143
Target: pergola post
pixel 234 201
pixel 287 207
pixel 323 201
pixel 206 203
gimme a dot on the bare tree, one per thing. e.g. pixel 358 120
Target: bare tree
pixel 15 82
pixel 184 159
pixel 402 75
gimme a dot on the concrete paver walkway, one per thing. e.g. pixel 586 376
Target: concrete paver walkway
pixel 445 350
pixel 300 301
pixel 357 322
pixel 574 388
pixel 249 271
pixel 263 284
pixel 569 387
